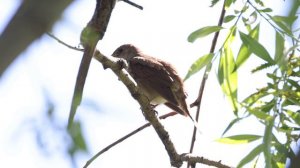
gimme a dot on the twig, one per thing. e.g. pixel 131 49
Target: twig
pixel 204 78
pixel 133 4
pixel 198 159
pixel 125 137
pixel 63 43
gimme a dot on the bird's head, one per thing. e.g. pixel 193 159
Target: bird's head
pixel 126 51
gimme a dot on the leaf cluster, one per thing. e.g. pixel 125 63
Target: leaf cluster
pixel 276 105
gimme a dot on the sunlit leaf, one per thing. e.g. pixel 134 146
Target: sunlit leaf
pixel 256 48
pixel 239 139
pixel 228 3
pixel 199 64
pixel 288 20
pixel 203 32
pixel 279 49
pixel 244 52
pixel 250 100
pixel 267 140
pixel 228 77
pixel 266 10
pixel 214 2
pixel 229 18
pixel 260 114
pixel 294 116
pixel 254 153
pixel 77 138
pixel 234 121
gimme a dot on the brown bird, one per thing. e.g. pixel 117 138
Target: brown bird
pixel 157 79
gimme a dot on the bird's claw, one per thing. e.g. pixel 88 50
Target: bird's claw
pixel 122 64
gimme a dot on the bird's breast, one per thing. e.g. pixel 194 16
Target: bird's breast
pixel 154 97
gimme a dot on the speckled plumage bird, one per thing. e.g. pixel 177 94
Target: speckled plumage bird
pixel 157 79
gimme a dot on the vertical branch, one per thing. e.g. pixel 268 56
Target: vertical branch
pixel 204 79
pixel 90 35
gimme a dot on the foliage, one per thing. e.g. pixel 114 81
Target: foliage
pixel 276 105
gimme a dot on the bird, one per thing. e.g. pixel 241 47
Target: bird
pixel 157 79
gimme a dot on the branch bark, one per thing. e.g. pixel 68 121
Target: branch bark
pixel 31 21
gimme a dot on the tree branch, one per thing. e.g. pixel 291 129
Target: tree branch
pixel 175 159
pixel 146 108
pixel 32 19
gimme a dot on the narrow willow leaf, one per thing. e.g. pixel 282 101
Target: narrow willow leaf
pixel 266 10
pixel 279 52
pixel 294 116
pixel 231 124
pixel 260 114
pixel 267 140
pixel 203 32
pixel 198 65
pixel 254 153
pixel 227 76
pixel 77 137
pixel 288 20
pixel 244 52
pixel 228 3
pixel 239 139
pixel 214 2
pixel 256 48
pixel 229 18
pixel 250 100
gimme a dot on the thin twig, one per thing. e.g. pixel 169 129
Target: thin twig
pixel 63 43
pixel 198 159
pixel 204 78
pixel 125 137
pixel 133 4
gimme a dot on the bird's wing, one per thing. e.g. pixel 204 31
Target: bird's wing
pixel 177 87
pixel 151 73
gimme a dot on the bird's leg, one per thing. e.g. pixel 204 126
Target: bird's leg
pixel 152 106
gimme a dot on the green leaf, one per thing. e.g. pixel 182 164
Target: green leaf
pixel 279 52
pixel 254 153
pixel 266 10
pixel 228 3
pixel 226 73
pixel 260 114
pixel 214 2
pixel 239 139
pixel 229 18
pixel 203 32
pixel 267 142
pixel 199 64
pixel 244 52
pixel 234 121
pixel 250 100
pixel 78 139
pixel 256 48
pixel 294 116
pixel 288 20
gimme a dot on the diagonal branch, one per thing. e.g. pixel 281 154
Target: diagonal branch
pixel 146 108
pixel 176 159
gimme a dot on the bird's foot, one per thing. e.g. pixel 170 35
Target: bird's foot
pixel 122 64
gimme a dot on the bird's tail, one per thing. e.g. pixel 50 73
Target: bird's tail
pixel 195 123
